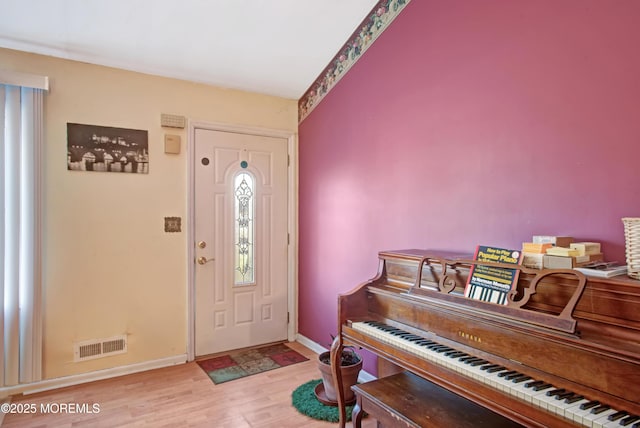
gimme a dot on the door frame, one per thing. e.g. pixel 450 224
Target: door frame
pixel 292 222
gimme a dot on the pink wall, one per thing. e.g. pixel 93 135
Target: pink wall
pixel 471 123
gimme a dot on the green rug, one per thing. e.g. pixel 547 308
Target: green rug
pixel 305 401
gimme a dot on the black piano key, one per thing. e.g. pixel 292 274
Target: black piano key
pixel 533 383
pixel 629 420
pixel 469 357
pixel 503 374
pixel 589 405
pixel 472 360
pixel 601 408
pixel 542 387
pixel 636 425
pixel 496 369
pixel 564 395
pixel 384 326
pixel 407 336
pixel 489 366
pixel 555 392
pixel 574 399
pixel 520 379
pixel 441 350
pixel 478 363
pixel 412 338
pixel 512 376
pixel 454 353
pixel 435 346
pixel 617 415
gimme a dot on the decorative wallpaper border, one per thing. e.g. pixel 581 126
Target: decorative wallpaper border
pixel 383 13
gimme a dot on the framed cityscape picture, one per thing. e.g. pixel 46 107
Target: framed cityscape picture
pixel 107 149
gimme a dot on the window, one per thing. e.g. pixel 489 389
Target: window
pixel 244 212
pixel 21 134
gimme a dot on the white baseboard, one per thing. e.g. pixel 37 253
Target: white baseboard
pixel 60 382
pixel 319 349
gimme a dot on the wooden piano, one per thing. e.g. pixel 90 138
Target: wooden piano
pixel 564 351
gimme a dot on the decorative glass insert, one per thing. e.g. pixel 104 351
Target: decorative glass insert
pixel 244 212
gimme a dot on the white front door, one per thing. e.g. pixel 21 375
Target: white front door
pixel 240 240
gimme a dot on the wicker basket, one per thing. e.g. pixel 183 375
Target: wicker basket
pixel 632 240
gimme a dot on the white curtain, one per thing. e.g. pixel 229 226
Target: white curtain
pixel 21 134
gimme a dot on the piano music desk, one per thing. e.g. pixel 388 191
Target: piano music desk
pixel 405 399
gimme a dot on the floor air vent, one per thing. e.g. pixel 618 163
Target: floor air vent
pixel 98 348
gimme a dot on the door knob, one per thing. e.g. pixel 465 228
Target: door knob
pixel 202 260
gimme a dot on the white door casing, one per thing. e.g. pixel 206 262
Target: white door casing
pixel 226 315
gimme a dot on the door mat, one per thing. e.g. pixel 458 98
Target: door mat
pixel 239 364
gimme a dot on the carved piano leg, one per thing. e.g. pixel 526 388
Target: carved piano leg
pixel 357 413
pixel 336 352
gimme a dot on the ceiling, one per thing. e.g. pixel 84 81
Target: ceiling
pixel 274 47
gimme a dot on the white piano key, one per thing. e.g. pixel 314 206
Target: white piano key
pixel 574 412
pixel 600 421
pixel 521 391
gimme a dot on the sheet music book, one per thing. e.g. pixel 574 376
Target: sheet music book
pixel 492 284
pixel 603 269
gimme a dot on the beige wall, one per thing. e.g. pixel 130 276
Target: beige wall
pixel 109 267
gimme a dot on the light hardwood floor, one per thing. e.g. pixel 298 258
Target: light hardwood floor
pixel 181 396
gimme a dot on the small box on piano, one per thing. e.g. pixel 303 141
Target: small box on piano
pixel 564 262
pixel 533 260
pixel 586 248
pixel 556 241
pixel 535 248
pixel 563 251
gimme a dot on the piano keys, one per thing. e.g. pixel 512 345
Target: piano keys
pixel 575 407
pixel 565 351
